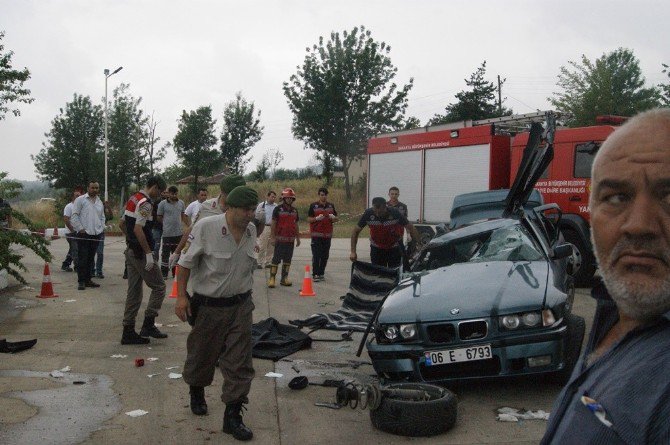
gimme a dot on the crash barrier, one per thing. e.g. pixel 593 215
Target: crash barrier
pixel 47 290
pixel 173 293
pixel 406 409
pixel 307 289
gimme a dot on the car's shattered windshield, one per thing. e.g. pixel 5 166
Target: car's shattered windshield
pixel 510 243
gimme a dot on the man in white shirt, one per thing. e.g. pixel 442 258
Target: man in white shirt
pixel 194 208
pixel 71 257
pixel 266 249
pixel 88 221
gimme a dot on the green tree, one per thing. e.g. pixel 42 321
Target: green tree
pixel 127 140
pixel 267 165
pixel 9 188
pixel 11 83
pixel 411 122
pixel 613 84
pixel 73 153
pixel 194 141
pixel 241 131
pixel 665 87
pixel 10 259
pixel 154 153
pixel 479 101
pixel 344 94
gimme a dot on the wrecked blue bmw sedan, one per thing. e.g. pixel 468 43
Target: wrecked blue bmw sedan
pixel 491 298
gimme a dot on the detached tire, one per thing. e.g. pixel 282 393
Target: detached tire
pixel 584 276
pixel 413 418
pixel 573 346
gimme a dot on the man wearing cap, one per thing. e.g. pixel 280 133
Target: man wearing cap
pixel 220 262
pixel 210 207
pixel 386 225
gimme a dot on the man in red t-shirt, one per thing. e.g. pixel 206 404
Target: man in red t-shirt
pixel 385 232
pixel 285 232
pixel 321 216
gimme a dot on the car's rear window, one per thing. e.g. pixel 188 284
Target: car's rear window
pixel 511 243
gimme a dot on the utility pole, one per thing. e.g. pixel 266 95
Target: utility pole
pixel 499 95
pixel 107 76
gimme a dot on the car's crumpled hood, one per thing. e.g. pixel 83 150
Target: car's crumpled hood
pixel 474 289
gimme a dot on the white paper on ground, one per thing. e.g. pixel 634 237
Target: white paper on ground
pixel 118 356
pixel 171 367
pixel 152 359
pixel 153 375
pixel 66 369
pixel 158 325
pixel 56 374
pixel 275 375
pixel 137 413
pixel 171 325
pixel 174 375
pixel 69 301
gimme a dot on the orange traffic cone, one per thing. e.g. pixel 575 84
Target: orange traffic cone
pixel 55 234
pixel 47 288
pixel 173 294
pixel 307 289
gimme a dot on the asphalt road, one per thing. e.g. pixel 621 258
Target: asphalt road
pixel 82 329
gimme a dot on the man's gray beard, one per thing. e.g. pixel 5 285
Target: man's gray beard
pixel 640 301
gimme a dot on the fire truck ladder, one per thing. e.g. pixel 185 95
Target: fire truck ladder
pixel 516 123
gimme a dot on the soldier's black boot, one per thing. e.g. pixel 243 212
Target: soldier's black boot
pixel 232 422
pixel 149 329
pixel 198 403
pixel 130 337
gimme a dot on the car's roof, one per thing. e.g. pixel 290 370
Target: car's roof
pixel 473 229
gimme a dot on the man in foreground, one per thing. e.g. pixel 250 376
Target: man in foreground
pixel 619 391
pixel 386 228
pixel 141 265
pixel 220 262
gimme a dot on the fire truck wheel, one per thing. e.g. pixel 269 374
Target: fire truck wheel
pixel 584 276
pixel 416 418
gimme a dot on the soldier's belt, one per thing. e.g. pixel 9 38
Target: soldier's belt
pixel 204 300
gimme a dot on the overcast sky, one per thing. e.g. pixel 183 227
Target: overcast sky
pixel 179 55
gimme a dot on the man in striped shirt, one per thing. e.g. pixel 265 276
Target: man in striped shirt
pixel 619 391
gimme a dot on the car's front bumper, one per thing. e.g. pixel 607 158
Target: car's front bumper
pixel 510 357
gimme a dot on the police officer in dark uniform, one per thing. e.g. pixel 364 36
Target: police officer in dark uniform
pixel 219 263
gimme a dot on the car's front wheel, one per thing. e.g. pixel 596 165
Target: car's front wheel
pixel 406 416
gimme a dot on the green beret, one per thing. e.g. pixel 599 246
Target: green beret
pixel 230 182
pixel 242 196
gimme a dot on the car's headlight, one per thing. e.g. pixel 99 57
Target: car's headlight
pixel 391 333
pixel 407 331
pixel 521 321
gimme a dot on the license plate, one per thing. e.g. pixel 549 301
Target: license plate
pixel 481 352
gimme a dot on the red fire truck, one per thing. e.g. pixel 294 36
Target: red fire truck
pixel 431 165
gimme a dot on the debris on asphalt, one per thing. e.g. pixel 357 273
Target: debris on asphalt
pixel 275 375
pixel 137 413
pixel 507 414
pixel 171 367
pixel 152 359
pixel 171 325
pixel 118 356
pixel 56 374
pixel 153 375
pixel 69 301
pixel 139 362
pixel 174 375
pixel 158 325
pixel 327 405
pixel 66 369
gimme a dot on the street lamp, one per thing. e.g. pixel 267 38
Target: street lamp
pixel 107 76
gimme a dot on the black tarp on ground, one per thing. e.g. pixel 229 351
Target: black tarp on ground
pixel 273 341
pixel 368 286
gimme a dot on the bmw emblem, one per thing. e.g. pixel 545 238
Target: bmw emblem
pixel 455 311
